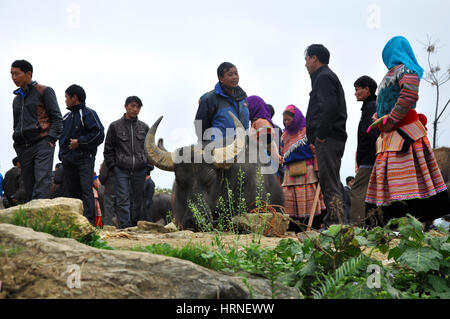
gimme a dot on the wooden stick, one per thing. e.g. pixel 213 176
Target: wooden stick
pixel 316 200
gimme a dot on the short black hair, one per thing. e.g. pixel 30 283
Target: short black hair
pixel 271 109
pixel 348 179
pixel 224 67
pixel 24 65
pixel 58 165
pixel 367 81
pixel 15 160
pixel 77 90
pixel 132 99
pixel 320 51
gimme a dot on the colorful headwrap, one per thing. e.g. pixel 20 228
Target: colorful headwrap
pixel 258 109
pixel 299 121
pixel 398 51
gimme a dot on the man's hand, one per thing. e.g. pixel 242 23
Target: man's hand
pixel 73 144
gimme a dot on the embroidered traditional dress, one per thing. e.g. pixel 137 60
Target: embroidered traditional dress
pixel 405 168
pixel 299 191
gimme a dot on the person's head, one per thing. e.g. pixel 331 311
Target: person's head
pixel 133 106
pixel 316 55
pixel 365 86
pixel 228 75
pixel 349 181
pixel 58 166
pixel 21 73
pixel 75 95
pixel 271 110
pixel 293 119
pixel 257 108
pixel 16 162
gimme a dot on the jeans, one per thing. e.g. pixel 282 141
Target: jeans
pixel 129 196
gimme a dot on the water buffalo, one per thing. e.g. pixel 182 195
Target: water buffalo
pixel 209 179
pixel 162 203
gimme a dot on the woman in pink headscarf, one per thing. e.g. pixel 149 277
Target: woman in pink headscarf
pixel 301 175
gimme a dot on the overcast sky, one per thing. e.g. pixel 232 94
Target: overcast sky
pixel 167 53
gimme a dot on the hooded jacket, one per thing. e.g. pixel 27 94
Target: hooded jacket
pixel 213 110
pixel 80 123
pixel 36 115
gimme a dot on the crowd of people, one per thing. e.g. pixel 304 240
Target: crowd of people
pixel 396 172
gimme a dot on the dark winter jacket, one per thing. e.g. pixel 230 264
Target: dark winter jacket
pixel 327 110
pixel 13 186
pixel 36 115
pixel 124 145
pixel 80 123
pixel 213 110
pixel 366 149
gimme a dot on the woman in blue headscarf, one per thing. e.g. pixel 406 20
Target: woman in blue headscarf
pixel 405 177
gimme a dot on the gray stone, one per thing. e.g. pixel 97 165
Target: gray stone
pixel 43 266
pixel 69 211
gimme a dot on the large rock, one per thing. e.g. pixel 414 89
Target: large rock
pixel 269 224
pixel 38 265
pixel 68 212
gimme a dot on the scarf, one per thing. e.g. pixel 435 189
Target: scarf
pixel 299 121
pixel 258 109
pixel 398 51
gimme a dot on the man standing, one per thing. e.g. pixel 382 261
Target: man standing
pixel 214 106
pixel 325 127
pixel 365 88
pixel 124 154
pixel 82 134
pixel 37 127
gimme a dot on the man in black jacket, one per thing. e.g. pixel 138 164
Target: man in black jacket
pixel 37 127
pixel 365 88
pixel 82 134
pixel 124 154
pixel 325 128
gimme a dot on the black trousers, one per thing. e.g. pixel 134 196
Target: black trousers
pixel 37 163
pixel 329 155
pixel 78 183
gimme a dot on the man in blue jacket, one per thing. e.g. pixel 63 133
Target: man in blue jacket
pixel 82 134
pixel 213 107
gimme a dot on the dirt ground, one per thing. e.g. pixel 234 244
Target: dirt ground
pixel 132 239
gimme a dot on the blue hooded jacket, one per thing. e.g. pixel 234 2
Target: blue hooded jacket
pixel 213 111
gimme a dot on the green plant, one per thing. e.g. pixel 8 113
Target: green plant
pixel 42 222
